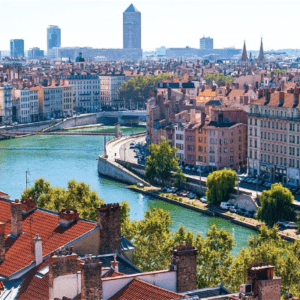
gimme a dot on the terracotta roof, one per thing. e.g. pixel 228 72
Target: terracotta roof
pixel 2 194
pixel 20 253
pixel 236 93
pixel 37 287
pixel 139 289
pixel 1 285
pixel 207 93
pixel 274 100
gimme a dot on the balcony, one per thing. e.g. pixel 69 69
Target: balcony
pixel 84 93
pixel 266 116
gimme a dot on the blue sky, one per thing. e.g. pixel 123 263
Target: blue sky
pixel 170 23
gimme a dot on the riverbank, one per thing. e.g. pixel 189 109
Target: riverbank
pixel 198 206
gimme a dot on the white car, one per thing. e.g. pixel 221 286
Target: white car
pixel 225 205
pixel 203 199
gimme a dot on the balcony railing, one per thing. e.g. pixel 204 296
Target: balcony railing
pixel 267 116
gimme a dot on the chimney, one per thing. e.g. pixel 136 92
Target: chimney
pixel 16 218
pixel 183 260
pixel 281 98
pixel 296 97
pixel 28 205
pixel 2 242
pixel 91 283
pixel 115 264
pixel 213 88
pixel 63 262
pixel 38 250
pixel 110 227
pixel 169 93
pixel 68 216
pixel 268 97
pixel 263 283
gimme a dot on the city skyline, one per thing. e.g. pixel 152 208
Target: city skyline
pixel 100 24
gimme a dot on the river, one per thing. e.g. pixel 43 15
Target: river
pixel 60 158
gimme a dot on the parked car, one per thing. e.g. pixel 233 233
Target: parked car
pixel 225 205
pixel 203 199
pixel 260 182
pixel 187 168
pixel 192 195
pixel 185 194
pixel 239 211
pixel 288 224
pixel 298 192
pixel 248 214
pixel 174 189
pixel 280 222
pixel 139 184
pixel 232 209
pixel 131 145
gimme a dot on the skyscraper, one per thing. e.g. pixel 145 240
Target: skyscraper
pixel 206 43
pixel 17 48
pixel 131 28
pixel 53 37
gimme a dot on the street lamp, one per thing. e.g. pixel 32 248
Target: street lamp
pixel 124 153
pixel 199 164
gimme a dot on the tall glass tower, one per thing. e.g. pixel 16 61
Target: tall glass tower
pixel 131 28
pixel 17 48
pixel 53 37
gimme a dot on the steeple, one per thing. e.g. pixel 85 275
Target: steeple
pixel 261 55
pixel 244 54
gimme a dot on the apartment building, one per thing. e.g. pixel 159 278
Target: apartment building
pixel 5 103
pixel 50 101
pixel 68 100
pixel 33 105
pixel 86 91
pixel 179 139
pixel 22 98
pixel 274 137
pixel 110 83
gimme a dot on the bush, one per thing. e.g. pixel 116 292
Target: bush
pixel 180 199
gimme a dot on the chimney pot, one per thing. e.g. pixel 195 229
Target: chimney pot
pixel 38 250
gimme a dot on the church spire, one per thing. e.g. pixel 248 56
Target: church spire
pixel 244 54
pixel 261 55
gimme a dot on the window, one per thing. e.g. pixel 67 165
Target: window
pixel 211 159
pixel 231 158
pixel 200 158
pixel 190 138
pixel 225 150
pixel 250 153
pixel 250 121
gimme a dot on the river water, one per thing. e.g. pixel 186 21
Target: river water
pixel 60 158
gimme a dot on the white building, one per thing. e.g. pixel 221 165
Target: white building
pixel 34 105
pixel 5 103
pixel 86 92
pixel 22 96
pixel 179 141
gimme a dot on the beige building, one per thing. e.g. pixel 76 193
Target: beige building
pixel 68 100
pixel 274 137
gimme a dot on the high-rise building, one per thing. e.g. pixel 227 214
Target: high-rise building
pixel 17 48
pixel 53 37
pixel 131 28
pixel 35 53
pixel 206 43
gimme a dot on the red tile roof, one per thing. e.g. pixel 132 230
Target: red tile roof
pixel 21 253
pixel 139 289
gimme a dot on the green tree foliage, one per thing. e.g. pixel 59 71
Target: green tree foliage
pixel 78 195
pixel 214 257
pixel 218 78
pixel 219 186
pixel 276 204
pixel 269 247
pixel 138 88
pixel 161 162
pixel 179 178
pixel 153 240
pixel 128 228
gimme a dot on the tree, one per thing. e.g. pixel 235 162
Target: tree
pixel 179 177
pixel 218 78
pixel 78 195
pixel 153 240
pixel 219 186
pixel 128 228
pixel 276 204
pixel 136 91
pixel 214 257
pixel 161 162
